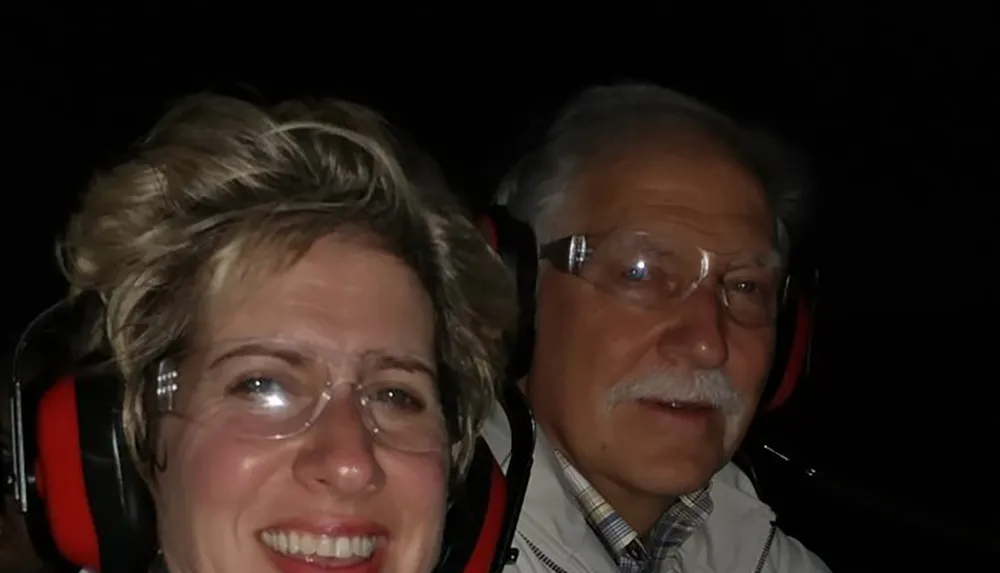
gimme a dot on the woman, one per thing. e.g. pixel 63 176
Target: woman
pixel 323 332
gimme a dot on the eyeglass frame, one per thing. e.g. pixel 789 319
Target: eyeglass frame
pixel 166 372
pixel 568 254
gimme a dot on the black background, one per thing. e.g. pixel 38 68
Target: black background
pixel 894 105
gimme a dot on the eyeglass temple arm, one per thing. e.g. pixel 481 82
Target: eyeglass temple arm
pixel 560 253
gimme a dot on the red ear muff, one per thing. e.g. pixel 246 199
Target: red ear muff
pixel 77 482
pixel 481 560
pixel 489 231
pixel 59 476
pixel 794 339
pixel 483 516
pixel 796 357
pixel 475 518
pixel 514 241
pixel 86 504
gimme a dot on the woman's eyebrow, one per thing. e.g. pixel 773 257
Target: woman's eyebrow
pixel 385 360
pixel 259 350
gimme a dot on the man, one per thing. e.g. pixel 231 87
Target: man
pixel 663 233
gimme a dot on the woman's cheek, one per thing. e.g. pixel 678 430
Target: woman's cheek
pixel 416 486
pixel 210 479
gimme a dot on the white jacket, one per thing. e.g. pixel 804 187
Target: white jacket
pixel 553 536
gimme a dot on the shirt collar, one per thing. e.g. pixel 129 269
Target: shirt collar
pixel 631 553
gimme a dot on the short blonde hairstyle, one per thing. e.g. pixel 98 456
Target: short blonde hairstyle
pixel 221 189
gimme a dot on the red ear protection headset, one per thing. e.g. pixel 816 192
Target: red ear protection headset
pixel 515 242
pixel 793 346
pixel 87 506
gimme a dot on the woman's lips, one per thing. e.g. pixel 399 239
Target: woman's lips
pixel 307 546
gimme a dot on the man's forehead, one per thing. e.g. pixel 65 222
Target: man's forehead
pixel 726 232
pixel 688 181
pixel 721 232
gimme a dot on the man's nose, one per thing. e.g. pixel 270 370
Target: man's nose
pixel 696 332
pixel 338 454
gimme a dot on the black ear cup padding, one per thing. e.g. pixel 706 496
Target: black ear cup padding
pixel 121 506
pixel 515 243
pixel 465 516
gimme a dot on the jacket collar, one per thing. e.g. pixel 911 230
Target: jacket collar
pixel 550 514
pixel 727 541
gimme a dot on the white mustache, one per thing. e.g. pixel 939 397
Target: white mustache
pixel 711 387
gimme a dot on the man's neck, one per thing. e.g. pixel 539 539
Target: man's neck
pixel 640 511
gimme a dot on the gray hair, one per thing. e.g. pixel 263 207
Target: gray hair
pixel 536 190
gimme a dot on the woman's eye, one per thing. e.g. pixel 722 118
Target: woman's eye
pixel 636 272
pixel 255 385
pixel 400 399
pixel 264 391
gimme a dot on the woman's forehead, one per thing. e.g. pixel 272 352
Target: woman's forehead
pixel 344 297
pixel 300 353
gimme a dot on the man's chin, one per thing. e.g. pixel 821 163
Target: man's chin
pixel 679 475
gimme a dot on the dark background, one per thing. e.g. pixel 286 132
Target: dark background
pixel 894 106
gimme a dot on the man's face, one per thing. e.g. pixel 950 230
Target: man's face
pixel 592 345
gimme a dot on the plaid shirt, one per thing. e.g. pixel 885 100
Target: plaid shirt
pixel 632 554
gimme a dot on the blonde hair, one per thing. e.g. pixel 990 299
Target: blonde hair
pixel 221 189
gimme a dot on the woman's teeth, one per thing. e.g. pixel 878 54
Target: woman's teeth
pixel 307 544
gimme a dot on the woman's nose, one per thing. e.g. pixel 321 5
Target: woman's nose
pixel 337 454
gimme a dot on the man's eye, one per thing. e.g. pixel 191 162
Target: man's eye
pixel 750 289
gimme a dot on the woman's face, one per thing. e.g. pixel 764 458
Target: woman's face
pixel 331 497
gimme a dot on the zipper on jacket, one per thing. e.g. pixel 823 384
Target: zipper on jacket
pixel 767 548
pixel 541 556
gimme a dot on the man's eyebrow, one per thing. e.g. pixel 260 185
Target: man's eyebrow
pixel 761 259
